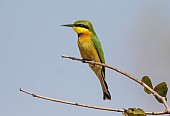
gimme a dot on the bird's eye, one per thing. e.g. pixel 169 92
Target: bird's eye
pixel 85 26
pixel 82 25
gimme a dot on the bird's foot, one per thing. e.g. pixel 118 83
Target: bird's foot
pixel 84 60
pixel 93 63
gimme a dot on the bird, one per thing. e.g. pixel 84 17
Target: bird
pixel 91 49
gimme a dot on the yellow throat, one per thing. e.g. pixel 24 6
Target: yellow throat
pixel 80 30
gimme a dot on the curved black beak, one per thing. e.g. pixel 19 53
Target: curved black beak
pixel 68 25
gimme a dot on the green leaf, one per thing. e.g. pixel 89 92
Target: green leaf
pixel 148 82
pixel 134 112
pixel 162 90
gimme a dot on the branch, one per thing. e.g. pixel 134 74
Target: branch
pixel 84 105
pixel 127 75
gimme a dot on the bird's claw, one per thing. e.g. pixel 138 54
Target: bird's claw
pixel 83 60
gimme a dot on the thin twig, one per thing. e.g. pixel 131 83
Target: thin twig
pixel 84 105
pixel 127 75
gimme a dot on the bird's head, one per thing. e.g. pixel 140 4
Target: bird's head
pixel 82 27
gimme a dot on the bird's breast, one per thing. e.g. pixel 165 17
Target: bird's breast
pixel 87 48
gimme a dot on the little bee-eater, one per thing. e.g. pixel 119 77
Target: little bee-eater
pixel 91 49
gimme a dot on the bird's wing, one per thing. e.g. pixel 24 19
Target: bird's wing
pixel 100 52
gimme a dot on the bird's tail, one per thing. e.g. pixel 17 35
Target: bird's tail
pixel 106 93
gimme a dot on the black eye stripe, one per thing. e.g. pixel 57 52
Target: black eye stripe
pixel 82 25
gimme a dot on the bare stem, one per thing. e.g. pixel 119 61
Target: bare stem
pixel 84 105
pixel 127 75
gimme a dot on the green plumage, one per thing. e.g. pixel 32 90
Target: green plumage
pixel 99 51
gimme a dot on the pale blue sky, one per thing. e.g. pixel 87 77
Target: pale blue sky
pixel 135 35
